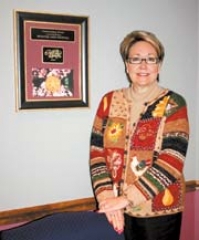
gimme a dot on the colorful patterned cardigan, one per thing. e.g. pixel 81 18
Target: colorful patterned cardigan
pixel 143 160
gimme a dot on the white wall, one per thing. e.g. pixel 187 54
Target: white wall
pixel 44 154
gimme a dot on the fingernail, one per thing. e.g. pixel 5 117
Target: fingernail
pixel 119 231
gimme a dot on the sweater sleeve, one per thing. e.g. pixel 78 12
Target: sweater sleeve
pixel 167 166
pixel 100 176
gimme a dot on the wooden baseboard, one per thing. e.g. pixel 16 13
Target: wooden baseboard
pixel 84 204
pixel 32 213
pixel 192 185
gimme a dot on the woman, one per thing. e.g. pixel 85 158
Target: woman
pixel 138 147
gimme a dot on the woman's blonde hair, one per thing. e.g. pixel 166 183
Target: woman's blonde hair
pixel 137 36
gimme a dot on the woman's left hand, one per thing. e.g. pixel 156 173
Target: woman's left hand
pixel 114 210
pixel 116 219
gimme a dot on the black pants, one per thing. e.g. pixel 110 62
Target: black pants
pixel 155 228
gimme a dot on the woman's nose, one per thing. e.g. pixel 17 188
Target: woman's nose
pixel 143 63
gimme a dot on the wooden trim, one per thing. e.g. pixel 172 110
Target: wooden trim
pixel 84 204
pixel 192 185
pixel 32 213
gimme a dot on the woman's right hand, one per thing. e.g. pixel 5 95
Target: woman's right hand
pixel 112 204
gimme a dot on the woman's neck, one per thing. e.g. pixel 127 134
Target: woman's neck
pixel 143 89
pixel 145 94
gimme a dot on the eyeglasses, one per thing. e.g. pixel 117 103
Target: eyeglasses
pixel 139 60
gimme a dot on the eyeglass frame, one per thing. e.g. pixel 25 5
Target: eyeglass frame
pixel 143 59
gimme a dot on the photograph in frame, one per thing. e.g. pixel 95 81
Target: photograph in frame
pixel 51 60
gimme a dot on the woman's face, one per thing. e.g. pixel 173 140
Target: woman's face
pixel 142 74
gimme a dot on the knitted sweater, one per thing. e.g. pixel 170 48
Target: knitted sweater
pixel 142 160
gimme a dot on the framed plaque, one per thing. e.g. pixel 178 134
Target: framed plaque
pixel 51 59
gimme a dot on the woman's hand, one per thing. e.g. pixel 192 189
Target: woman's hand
pixel 114 210
pixel 116 219
pixel 112 204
